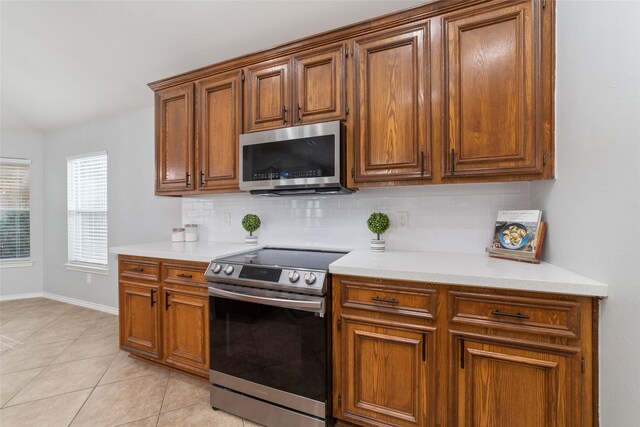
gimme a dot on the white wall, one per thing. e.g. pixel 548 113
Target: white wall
pixel 593 208
pixel 24 280
pixel 449 218
pixel 135 215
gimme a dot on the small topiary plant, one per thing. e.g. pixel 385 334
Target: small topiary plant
pixel 251 222
pixel 378 223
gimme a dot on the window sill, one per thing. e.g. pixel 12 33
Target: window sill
pixel 16 263
pixel 87 268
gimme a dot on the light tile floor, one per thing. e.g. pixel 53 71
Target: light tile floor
pixel 60 365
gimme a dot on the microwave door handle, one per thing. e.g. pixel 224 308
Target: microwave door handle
pixel 313 306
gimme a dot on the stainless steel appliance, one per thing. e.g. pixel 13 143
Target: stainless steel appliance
pixel 296 160
pixel 270 336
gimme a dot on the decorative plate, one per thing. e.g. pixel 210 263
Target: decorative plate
pixel 514 235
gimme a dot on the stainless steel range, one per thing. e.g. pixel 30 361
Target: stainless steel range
pixel 269 335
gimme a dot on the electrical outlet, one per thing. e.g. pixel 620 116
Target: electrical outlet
pixel 88 278
pixel 403 220
pixel 227 219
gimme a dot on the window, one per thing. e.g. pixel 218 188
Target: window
pixel 87 211
pixel 15 214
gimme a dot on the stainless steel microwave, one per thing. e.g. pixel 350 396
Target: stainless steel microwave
pixel 297 160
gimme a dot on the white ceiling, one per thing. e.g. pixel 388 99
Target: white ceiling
pixel 63 63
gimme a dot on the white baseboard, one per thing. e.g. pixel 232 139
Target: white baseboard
pixel 81 303
pixel 21 296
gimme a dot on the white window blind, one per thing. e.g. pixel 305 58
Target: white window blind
pixel 15 237
pixel 87 209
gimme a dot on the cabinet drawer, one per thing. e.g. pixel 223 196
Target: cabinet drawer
pixel 532 315
pixel 140 269
pixel 392 298
pixel 180 273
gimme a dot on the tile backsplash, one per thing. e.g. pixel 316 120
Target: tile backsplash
pixel 446 218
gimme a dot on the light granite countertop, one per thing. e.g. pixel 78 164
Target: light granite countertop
pixel 466 269
pixel 436 267
pixel 183 251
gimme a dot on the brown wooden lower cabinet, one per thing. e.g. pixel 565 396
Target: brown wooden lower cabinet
pixel 186 322
pixel 140 318
pixel 386 372
pixel 476 358
pixel 165 320
pixel 504 383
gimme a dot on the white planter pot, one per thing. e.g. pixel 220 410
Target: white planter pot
pixel 378 245
pixel 250 240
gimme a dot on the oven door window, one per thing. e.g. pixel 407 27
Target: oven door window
pixel 277 347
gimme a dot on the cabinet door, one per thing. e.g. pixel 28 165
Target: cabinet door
pixel 386 375
pixel 219 125
pixel 174 139
pixel 505 385
pixel 186 327
pixel 392 106
pixel 140 318
pixel 268 96
pixel 319 85
pixel 491 75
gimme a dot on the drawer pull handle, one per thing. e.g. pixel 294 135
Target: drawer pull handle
pixel 389 300
pixel 186 276
pixel 138 269
pixel 516 315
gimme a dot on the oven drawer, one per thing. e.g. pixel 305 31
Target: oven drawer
pixel 140 269
pixel 524 314
pixel 389 298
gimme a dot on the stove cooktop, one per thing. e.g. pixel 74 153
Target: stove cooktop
pixel 307 259
pixel 292 270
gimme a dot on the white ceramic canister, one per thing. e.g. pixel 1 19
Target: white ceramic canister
pixel 191 232
pixel 177 235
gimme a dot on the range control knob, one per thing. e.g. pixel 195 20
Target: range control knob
pixel 309 278
pixel 294 276
pixel 228 270
pixel 216 269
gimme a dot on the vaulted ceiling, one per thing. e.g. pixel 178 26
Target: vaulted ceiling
pixel 63 63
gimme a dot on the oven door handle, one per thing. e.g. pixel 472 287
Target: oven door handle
pixel 315 306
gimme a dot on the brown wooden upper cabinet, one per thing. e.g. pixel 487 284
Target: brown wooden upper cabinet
pixel 392 105
pixel 187 163
pixel 492 79
pixel 174 139
pixel 447 92
pixel 319 85
pixel 219 127
pixel 307 88
pixel 268 95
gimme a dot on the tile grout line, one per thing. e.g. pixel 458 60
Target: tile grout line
pixel 45 398
pixel 164 395
pixel 42 368
pixel 52 363
pixel 92 390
